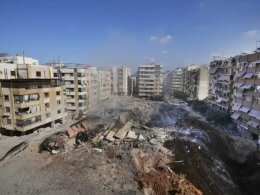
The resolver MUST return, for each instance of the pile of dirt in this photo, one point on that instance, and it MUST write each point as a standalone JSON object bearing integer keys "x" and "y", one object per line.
{"x": 155, "y": 177}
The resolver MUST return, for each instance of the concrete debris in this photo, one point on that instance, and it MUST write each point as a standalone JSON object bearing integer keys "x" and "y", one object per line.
{"x": 121, "y": 133}
{"x": 155, "y": 177}
{"x": 81, "y": 137}
{"x": 110, "y": 136}
{"x": 75, "y": 129}
{"x": 55, "y": 143}
{"x": 15, "y": 150}
{"x": 141, "y": 138}
{"x": 131, "y": 135}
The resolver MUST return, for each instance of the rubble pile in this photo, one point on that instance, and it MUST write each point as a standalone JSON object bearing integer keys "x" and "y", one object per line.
{"x": 155, "y": 177}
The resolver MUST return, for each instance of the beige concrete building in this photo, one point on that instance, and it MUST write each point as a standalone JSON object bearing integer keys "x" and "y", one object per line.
{"x": 104, "y": 81}
{"x": 18, "y": 59}
{"x": 221, "y": 75}
{"x": 177, "y": 80}
{"x": 197, "y": 82}
{"x": 30, "y": 96}
{"x": 150, "y": 80}
{"x": 76, "y": 89}
{"x": 121, "y": 80}
{"x": 93, "y": 86}
{"x": 246, "y": 97}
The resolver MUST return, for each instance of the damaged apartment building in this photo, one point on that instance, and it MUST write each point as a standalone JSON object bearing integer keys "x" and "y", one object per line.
{"x": 150, "y": 81}
{"x": 176, "y": 80}
{"x": 221, "y": 80}
{"x": 31, "y": 96}
{"x": 196, "y": 82}
{"x": 121, "y": 81}
{"x": 246, "y": 96}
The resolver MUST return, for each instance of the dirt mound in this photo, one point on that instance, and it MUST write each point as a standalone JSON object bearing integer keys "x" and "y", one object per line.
{"x": 155, "y": 177}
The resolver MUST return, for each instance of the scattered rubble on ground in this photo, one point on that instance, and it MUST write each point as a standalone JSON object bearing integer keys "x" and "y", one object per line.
{"x": 126, "y": 146}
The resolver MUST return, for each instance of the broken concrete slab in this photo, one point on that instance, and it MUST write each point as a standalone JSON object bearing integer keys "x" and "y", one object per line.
{"x": 96, "y": 139}
{"x": 123, "y": 131}
{"x": 110, "y": 136}
{"x": 141, "y": 138}
{"x": 131, "y": 135}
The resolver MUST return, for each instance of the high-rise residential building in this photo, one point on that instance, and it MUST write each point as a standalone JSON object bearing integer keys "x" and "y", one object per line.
{"x": 150, "y": 80}
{"x": 221, "y": 75}
{"x": 246, "y": 97}
{"x": 30, "y": 96}
{"x": 197, "y": 82}
{"x": 177, "y": 80}
{"x": 76, "y": 89}
{"x": 120, "y": 80}
{"x": 93, "y": 86}
{"x": 104, "y": 78}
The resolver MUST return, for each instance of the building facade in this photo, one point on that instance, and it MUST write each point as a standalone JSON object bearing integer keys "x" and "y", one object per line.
{"x": 120, "y": 80}
{"x": 246, "y": 97}
{"x": 197, "y": 82}
{"x": 18, "y": 59}
{"x": 104, "y": 78}
{"x": 221, "y": 80}
{"x": 150, "y": 81}
{"x": 76, "y": 89}
{"x": 177, "y": 80}
{"x": 31, "y": 96}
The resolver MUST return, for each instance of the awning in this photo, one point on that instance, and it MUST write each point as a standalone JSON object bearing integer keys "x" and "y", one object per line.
{"x": 224, "y": 78}
{"x": 236, "y": 106}
{"x": 212, "y": 70}
{"x": 244, "y": 109}
{"x": 255, "y": 113}
{"x": 246, "y": 86}
{"x": 248, "y": 75}
{"x": 240, "y": 74}
{"x": 238, "y": 85}
{"x": 235, "y": 115}
{"x": 253, "y": 123}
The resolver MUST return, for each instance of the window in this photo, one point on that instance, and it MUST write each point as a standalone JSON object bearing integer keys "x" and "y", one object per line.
{"x": 55, "y": 75}
{"x": 59, "y": 111}
{"x": 46, "y": 94}
{"x": 38, "y": 73}
{"x": 47, "y": 105}
{"x": 58, "y": 102}
{"x": 8, "y": 121}
{"x": 57, "y": 92}
{"x": 7, "y": 109}
{"x": 6, "y": 98}
{"x": 12, "y": 73}
{"x": 48, "y": 115}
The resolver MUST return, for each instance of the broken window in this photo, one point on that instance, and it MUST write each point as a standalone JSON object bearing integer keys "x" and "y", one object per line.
{"x": 6, "y": 98}
{"x": 12, "y": 73}
{"x": 46, "y": 94}
{"x": 59, "y": 111}
{"x": 58, "y": 102}
{"x": 57, "y": 93}
{"x": 38, "y": 73}
{"x": 47, "y": 105}
{"x": 48, "y": 115}
{"x": 7, "y": 109}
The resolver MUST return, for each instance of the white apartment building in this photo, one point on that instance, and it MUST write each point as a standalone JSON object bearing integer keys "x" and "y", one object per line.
{"x": 150, "y": 80}
{"x": 18, "y": 59}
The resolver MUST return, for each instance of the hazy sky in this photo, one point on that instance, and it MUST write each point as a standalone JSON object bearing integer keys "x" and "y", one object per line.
{"x": 131, "y": 32}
